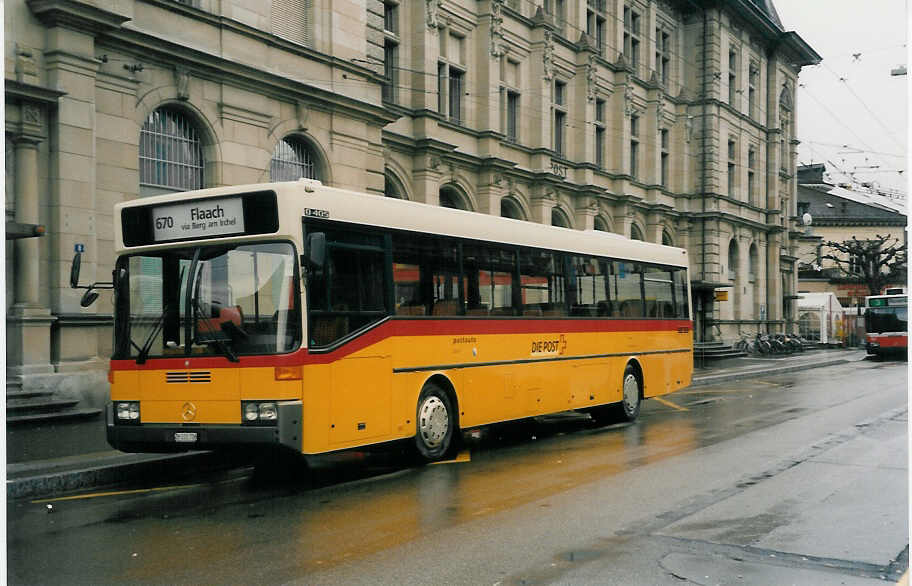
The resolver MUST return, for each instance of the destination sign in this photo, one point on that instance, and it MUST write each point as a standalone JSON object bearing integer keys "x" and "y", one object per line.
{"x": 198, "y": 219}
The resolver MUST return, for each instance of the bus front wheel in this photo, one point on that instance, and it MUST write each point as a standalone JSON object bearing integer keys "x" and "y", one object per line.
{"x": 435, "y": 423}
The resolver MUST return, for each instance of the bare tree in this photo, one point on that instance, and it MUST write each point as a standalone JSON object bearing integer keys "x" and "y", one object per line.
{"x": 875, "y": 262}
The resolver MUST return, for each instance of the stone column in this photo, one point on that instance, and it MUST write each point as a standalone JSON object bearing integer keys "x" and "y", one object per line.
{"x": 542, "y": 202}
{"x": 654, "y": 228}
{"x": 585, "y": 212}
{"x": 27, "y": 249}
{"x": 773, "y": 278}
{"x": 28, "y": 335}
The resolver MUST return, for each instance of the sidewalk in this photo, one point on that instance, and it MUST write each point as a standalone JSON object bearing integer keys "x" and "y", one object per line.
{"x": 102, "y": 468}
{"x": 748, "y": 366}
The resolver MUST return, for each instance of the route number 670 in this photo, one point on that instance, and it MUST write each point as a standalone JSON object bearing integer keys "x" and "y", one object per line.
{"x": 164, "y": 222}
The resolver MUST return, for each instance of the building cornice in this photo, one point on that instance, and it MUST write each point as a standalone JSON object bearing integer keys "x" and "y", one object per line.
{"x": 735, "y": 220}
{"x": 218, "y": 69}
{"x": 77, "y": 15}
{"x": 17, "y": 91}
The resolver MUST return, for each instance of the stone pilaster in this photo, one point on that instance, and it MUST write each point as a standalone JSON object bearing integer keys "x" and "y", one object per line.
{"x": 28, "y": 334}
{"x": 28, "y": 318}
{"x": 773, "y": 278}
{"x": 585, "y": 211}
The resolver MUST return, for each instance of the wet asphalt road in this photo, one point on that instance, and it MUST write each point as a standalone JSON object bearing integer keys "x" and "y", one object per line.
{"x": 798, "y": 478}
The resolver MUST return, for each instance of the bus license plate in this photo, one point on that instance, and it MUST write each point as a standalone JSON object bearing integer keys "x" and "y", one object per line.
{"x": 187, "y": 437}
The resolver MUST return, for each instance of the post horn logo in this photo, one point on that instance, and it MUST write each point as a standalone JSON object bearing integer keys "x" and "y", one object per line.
{"x": 188, "y": 411}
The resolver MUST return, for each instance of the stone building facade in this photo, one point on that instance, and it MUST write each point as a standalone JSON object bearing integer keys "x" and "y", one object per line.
{"x": 669, "y": 121}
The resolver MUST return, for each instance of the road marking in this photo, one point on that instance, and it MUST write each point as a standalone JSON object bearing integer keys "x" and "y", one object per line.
{"x": 464, "y": 456}
{"x": 700, "y": 391}
{"x": 112, "y": 493}
{"x": 709, "y": 392}
{"x": 670, "y": 404}
{"x": 763, "y": 382}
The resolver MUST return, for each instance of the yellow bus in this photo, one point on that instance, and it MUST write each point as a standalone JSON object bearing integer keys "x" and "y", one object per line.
{"x": 318, "y": 319}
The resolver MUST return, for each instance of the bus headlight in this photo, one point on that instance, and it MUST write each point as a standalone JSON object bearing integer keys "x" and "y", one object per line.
{"x": 259, "y": 412}
{"x": 268, "y": 412}
{"x": 126, "y": 411}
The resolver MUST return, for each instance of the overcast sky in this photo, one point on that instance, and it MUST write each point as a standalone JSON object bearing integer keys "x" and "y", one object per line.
{"x": 851, "y": 98}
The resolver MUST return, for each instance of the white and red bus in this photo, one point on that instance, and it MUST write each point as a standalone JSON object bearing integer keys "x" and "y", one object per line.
{"x": 318, "y": 319}
{"x": 886, "y": 324}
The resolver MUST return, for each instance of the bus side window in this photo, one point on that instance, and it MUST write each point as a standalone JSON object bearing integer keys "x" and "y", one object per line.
{"x": 659, "y": 292}
{"x": 590, "y": 295}
{"x": 626, "y": 286}
{"x": 489, "y": 274}
{"x": 682, "y": 310}
{"x": 350, "y": 292}
{"x": 425, "y": 278}
{"x": 542, "y": 284}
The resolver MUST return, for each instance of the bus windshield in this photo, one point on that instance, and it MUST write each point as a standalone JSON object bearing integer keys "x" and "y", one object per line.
{"x": 879, "y": 320}
{"x": 207, "y": 301}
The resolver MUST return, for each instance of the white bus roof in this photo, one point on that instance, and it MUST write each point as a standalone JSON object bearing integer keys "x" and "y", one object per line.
{"x": 358, "y": 208}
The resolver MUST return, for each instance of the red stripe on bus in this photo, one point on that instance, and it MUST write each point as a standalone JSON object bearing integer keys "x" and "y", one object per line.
{"x": 414, "y": 327}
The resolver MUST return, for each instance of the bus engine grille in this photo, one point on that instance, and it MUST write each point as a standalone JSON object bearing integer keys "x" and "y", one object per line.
{"x": 188, "y": 377}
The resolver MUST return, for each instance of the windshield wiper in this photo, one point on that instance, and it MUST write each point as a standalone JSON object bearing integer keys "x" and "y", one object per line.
{"x": 147, "y": 345}
{"x": 159, "y": 324}
{"x": 225, "y": 348}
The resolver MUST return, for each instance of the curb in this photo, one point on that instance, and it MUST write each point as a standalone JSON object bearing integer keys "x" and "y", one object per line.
{"x": 92, "y": 475}
{"x": 715, "y": 378}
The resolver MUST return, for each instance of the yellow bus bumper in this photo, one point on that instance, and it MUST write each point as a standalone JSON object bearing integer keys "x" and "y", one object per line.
{"x": 175, "y": 437}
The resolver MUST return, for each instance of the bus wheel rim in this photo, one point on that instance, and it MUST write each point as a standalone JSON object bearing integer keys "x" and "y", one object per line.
{"x": 433, "y": 421}
{"x": 631, "y": 393}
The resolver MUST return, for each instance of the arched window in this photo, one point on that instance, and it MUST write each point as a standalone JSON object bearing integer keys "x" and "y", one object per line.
{"x": 666, "y": 238}
{"x": 600, "y": 224}
{"x": 392, "y": 187}
{"x": 754, "y": 264}
{"x": 292, "y": 159}
{"x": 510, "y": 209}
{"x": 170, "y": 153}
{"x": 559, "y": 218}
{"x": 733, "y": 260}
{"x": 451, "y": 198}
{"x": 636, "y": 233}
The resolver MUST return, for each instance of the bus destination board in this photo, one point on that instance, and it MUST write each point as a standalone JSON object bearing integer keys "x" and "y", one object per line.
{"x": 198, "y": 219}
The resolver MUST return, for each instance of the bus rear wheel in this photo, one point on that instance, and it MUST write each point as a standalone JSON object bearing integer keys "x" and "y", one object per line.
{"x": 435, "y": 422}
{"x": 629, "y": 407}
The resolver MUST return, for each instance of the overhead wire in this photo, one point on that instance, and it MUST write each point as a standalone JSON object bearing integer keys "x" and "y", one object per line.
{"x": 876, "y": 118}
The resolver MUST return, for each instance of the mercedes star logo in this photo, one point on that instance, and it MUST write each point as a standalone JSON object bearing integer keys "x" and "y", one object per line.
{"x": 188, "y": 411}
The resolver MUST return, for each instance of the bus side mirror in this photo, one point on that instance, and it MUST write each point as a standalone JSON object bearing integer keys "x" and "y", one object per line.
{"x": 74, "y": 271}
{"x": 315, "y": 253}
{"x": 88, "y": 298}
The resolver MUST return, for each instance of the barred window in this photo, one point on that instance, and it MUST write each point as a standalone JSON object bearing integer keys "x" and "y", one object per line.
{"x": 170, "y": 152}
{"x": 292, "y": 160}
